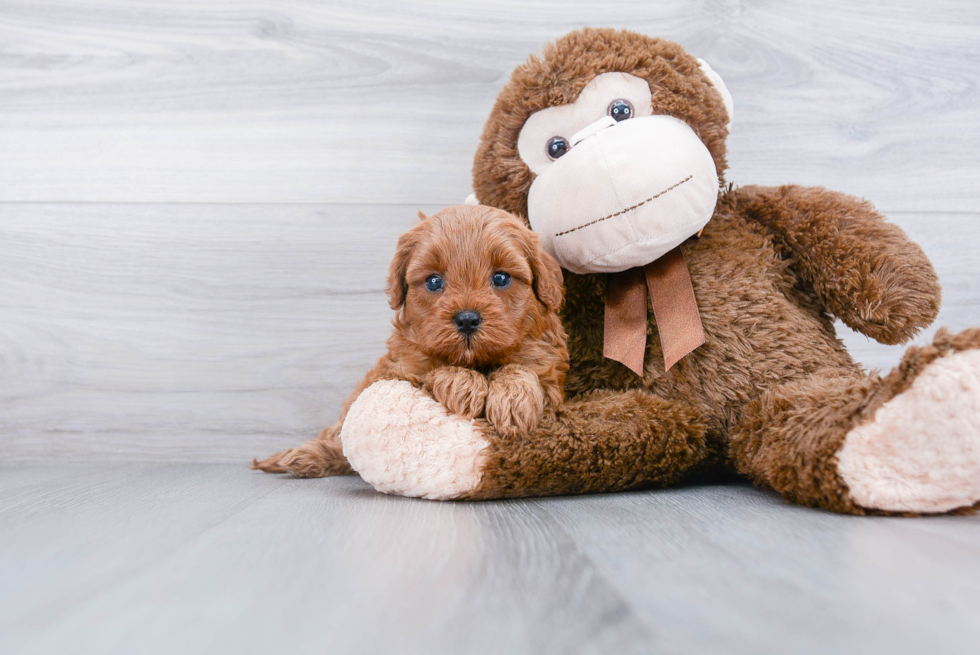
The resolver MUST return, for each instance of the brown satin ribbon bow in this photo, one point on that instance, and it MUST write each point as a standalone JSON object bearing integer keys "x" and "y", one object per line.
{"x": 675, "y": 308}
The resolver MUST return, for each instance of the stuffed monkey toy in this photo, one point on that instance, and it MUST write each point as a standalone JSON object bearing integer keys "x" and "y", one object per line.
{"x": 699, "y": 314}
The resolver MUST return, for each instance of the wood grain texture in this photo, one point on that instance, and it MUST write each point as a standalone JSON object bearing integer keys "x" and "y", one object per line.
{"x": 739, "y": 570}
{"x": 130, "y": 330}
{"x": 222, "y": 332}
{"x": 243, "y": 101}
{"x": 203, "y": 559}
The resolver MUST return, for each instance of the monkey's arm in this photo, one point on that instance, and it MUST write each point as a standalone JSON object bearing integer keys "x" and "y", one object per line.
{"x": 610, "y": 441}
{"x": 403, "y": 442}
{"x": 864, "y": 270}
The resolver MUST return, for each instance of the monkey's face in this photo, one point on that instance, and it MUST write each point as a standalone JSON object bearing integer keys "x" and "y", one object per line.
{"x": 611, "y": 143}
{"x": 616, "y": 185}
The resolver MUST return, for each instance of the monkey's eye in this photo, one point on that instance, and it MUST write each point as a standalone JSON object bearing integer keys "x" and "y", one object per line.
{"x": 557, "y": 146}
{"x": 500, "y": 280}
{"x": 620, "y": 110}
{"x": 433, "y": 283}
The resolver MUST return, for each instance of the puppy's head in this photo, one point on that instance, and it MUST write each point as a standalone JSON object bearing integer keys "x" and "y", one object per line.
{"x": 471, "y": 284}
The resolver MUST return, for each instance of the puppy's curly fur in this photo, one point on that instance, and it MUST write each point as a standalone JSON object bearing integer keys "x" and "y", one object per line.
{"x": 509, "y": 369}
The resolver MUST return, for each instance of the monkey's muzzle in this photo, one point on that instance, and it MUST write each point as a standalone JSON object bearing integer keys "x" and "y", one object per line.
{"x": 624, "y": 195}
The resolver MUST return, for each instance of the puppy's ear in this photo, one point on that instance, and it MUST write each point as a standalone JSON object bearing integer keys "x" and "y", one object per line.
{"x": 549, "y": 285}
{"x": 397, "y": 284}
{"x": 422, "y": 216}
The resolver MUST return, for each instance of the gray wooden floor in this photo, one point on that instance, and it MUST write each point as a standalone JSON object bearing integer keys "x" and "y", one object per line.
{"x": 198, "y": 202}
{"x": 196, "y": 558}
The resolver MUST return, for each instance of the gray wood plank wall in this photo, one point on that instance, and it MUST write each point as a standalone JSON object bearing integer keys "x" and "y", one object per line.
{"x": 198, "y": 201}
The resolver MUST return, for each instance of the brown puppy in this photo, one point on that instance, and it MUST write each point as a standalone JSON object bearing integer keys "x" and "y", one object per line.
{"x": 476, "y": 326}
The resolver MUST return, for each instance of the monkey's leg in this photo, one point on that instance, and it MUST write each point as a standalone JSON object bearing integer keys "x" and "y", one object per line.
{"x": 403, "y": 442}
{"x": 905, "y": 443}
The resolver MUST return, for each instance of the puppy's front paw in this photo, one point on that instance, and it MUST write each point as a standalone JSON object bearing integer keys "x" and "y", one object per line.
{"x": 515, "y": 401}
{"x": 462, "y": 391}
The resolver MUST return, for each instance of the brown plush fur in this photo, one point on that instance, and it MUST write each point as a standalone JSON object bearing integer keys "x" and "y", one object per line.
{"x": 511, "y": 368}
{"x": 604, "y": 441}
{"x": 768, "y": 336}
{"x": 772, "y": 393}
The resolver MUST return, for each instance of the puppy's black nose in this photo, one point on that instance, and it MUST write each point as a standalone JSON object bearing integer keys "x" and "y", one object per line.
{"x": 467, "y": 321}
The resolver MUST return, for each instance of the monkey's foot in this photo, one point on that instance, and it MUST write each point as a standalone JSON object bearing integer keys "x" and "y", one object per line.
{"x": 920, "y": 452}
{"x": 403, "y": 442}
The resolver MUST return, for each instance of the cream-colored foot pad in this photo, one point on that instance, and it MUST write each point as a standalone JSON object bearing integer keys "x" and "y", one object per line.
{"x": 921, "y": 453}
{"x": 401, "y": 441}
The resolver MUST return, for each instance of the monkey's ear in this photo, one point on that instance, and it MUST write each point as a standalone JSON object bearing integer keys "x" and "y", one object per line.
{"x": 397, "y": 284}
{"x": 422, "y": 216}
{"x": 548, "y": 285}
{"x": 719, "y": 85}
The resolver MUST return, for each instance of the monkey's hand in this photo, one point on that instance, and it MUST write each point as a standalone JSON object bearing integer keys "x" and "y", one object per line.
{"x": 462, "y": 391}
{"x": 515, "y": 401}
{"x": 864, "y": 270}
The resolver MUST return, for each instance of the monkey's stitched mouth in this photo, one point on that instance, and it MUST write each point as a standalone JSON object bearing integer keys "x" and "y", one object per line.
{"x": 628, "y": 209}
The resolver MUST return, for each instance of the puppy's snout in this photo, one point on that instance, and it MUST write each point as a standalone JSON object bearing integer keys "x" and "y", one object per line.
{"x": 467, "y": 321}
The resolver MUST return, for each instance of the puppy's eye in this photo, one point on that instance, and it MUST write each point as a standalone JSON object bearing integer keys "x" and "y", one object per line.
{"x": 500, "y": 280}
{"x": 620, "y": 110}
{"x": 557, "y": 146}
{"x": 433, "y": 283}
